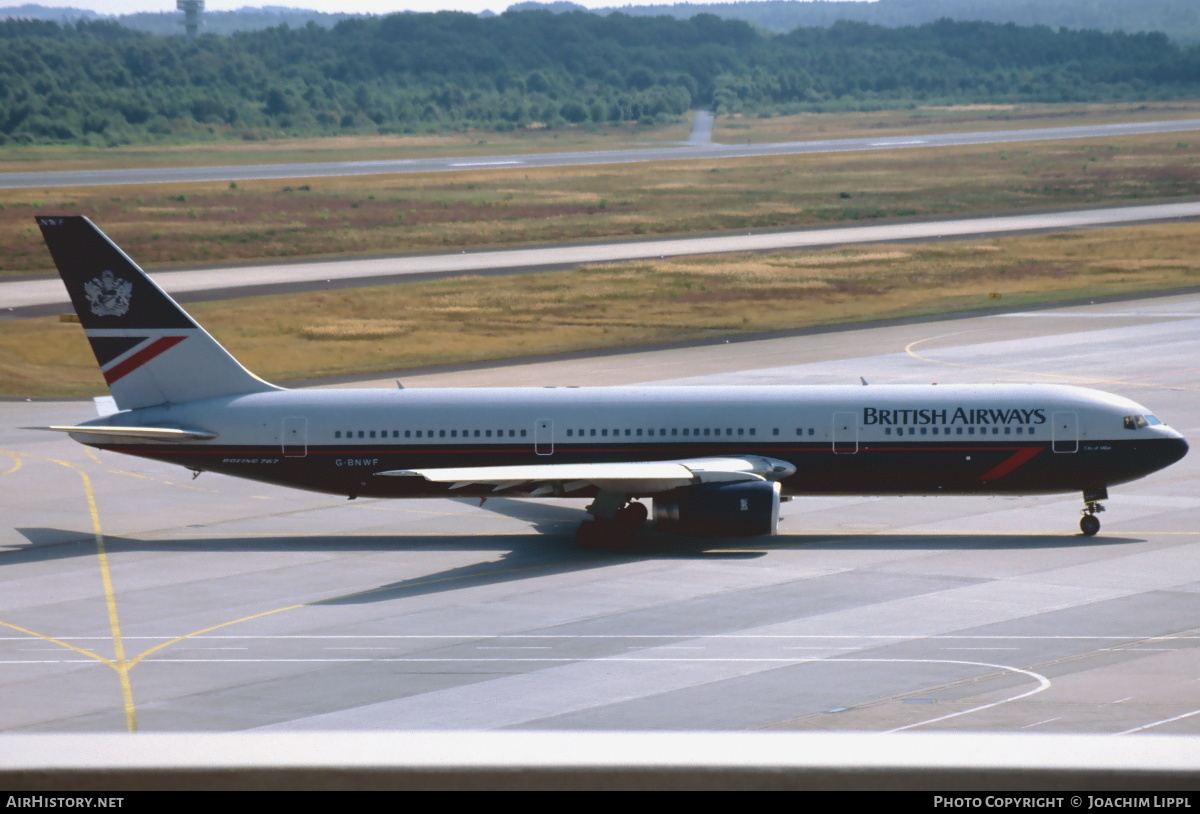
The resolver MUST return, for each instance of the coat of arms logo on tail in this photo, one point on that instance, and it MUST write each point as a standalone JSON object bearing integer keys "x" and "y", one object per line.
{"x": 109, "y": 295}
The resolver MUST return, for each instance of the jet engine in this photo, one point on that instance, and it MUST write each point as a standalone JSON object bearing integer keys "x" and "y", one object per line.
{"x": 742, "y": 509}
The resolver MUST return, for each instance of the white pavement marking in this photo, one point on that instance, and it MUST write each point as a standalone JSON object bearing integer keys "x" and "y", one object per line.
{"x": 1160, "y": 723}
{"x": 1043, "y": 684}
{"x": 524, "y": 697}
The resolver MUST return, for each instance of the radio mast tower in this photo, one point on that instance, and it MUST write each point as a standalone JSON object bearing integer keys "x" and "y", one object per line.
{"x": 192, "y": 9}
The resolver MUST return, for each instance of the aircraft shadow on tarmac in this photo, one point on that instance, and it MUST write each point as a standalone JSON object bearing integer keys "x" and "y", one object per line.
{"x": 525, "y": 555}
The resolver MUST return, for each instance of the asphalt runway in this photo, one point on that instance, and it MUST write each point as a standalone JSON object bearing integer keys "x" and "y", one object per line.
{"x": 134, "y": 596}
{"x": 696, "y": 147}
{"x": 41, "y": 297}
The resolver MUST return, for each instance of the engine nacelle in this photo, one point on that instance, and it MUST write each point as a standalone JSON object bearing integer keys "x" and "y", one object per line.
{"x": 743, "y": 509}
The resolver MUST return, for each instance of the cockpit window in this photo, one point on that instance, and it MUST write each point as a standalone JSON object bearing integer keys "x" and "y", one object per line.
{"x": 1137, "y": 422}
{"x": 1151, "y": 420}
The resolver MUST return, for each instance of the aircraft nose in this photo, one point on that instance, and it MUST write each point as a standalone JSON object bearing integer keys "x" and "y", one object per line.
{"x": 1177, "y": 449}
{"x": 1168, "y": 451}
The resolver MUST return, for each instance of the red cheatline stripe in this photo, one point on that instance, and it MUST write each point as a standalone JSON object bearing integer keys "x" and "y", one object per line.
{"x": 1010, "y": 463}
{"x": 142, "y": 357}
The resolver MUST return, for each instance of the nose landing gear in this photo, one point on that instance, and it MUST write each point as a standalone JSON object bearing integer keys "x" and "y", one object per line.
{"x": 1089, "y": 524}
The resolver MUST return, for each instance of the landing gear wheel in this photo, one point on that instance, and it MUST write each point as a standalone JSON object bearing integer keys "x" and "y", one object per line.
{"x": 633, "y": 516}
{"x": 1089, "y": 524}
{"x": 615, "y": 525}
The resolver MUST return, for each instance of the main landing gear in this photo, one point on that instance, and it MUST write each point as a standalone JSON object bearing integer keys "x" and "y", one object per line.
{"x": 614, "y": 525}
{"x": 1089, "y": 524}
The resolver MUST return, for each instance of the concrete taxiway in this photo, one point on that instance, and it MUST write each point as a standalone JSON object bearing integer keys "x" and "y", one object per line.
{"x": 132, "y": 596}
{"x": 40, "y": 297}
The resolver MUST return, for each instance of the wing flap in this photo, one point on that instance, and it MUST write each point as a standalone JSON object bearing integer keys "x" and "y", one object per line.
{"x": 632, "y": 477}
{"x": 547, "y": 472}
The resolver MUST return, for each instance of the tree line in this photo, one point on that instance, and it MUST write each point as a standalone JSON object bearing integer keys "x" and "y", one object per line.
{"x": 1180, "y": 17}
{"x": 101, "y": 83}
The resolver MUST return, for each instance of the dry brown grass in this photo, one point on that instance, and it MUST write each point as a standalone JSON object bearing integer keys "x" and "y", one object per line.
{"x": 204, "y": 224}
{"x": 412, "y": 325}
{"x": 346, "y": 329}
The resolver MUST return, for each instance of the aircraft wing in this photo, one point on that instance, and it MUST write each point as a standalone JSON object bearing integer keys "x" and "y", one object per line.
{"x": 632, "y": 477}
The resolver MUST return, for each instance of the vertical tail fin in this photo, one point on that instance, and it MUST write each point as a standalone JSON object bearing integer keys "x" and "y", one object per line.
{"x": 150, "y": 351}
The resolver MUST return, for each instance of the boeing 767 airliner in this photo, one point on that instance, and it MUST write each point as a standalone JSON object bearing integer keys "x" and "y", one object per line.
{"x": 715, "y": 461}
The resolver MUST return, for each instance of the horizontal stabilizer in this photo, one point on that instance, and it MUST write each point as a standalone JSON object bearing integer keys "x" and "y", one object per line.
{"x": 168, "y": 434}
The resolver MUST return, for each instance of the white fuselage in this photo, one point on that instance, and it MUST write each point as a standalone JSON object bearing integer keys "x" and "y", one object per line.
{"x": 876, "y": 438}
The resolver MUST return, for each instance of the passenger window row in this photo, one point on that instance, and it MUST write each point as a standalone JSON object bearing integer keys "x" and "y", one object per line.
{"x": 1022, "y": 430}
{"x": 602, "y": 432}
{"x": 432, "y": 433}
{"x": 662, "y": 432}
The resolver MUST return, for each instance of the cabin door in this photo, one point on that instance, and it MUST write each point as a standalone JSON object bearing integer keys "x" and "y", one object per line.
{"x": 295, "y": 436}
{"x": 845, "y": 433}
{"x": 1064, "y": 431}
{"x": 543, "y": 436}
